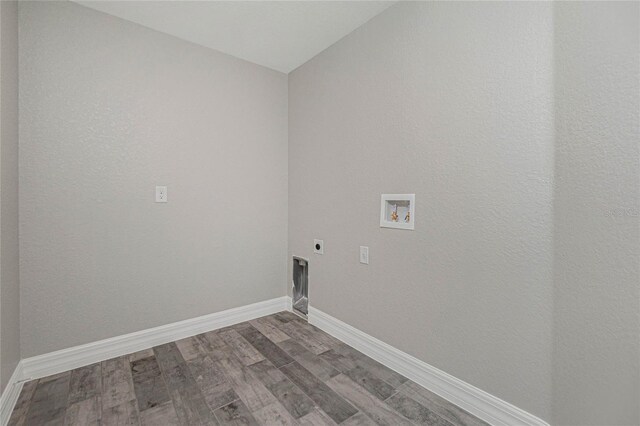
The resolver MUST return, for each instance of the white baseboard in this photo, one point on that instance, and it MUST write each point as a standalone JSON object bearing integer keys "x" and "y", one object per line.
{"x": 477, "y": 402}
{"x": 481, "y": 404}
{"x": 10, "y": 395}
{"x": 79, "y": 356}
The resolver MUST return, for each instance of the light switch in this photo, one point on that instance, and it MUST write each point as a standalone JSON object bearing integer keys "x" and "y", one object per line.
{"x": 364, "y": 255}
{"x": 161, "y": 194}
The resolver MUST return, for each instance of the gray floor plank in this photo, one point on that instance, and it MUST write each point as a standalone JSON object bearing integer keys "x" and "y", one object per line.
{"x": 317, "y": 418}
{"x": 189, "y": 348}
{"x": 117, "y": 383}
{"x": 316, "y": 365}
{"x": 163, "y": 414}
{"x": 145, "y": 353}
{"x": 148, "y": 383}
{"x": 188, "y": 401}
{"x": 440, "y": 406}
{"x": 329, "y": 401}
{"x": 274, "y": 414}
{"x": 266, "y": 347}
{"x": 85, "y": 383}
{"x": 245, "y": 351}
{"x": 145, "y": 369}
{"x": 415, "y": 411}
{"x": 375, "y": 409}
{"x": 271, "y": 331}
{"x": 211, "y": 380}
{"x": 374, "y": 367}
{"x": 252, "y": 392}
{"x": 49, "y": 402}
{"x": 324, "y": 338}
{"x": 359, "y": 419}
{"x": 290, "y": 396}
{"x": 377, "y": 387}
{"x": 125, "y": 414}
{"x": 305, "y": 337}
{"x": 85, "y": 412}
{"x": 235, "y": 413}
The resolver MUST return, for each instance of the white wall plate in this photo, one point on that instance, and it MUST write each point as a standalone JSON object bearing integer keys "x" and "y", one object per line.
{"x": 398, "y": 211}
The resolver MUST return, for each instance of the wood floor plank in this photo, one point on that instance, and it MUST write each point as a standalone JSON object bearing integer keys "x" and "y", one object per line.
{"x": 274, "y": 414}
{"x": 144, "y": 369}
{"x": 324, "y": 338}
{"x": 151, "y": 393}
{"x": 338, "y": 361}
{"x": 145, "y": 353}
{"x": 316, "y": 365}
{"x": 376, "y": 386}
{"x": 190, "y": 408}
{"x": 266, "y": 327}
{"x": 163, "y": 414}
{"x": 290, "y": 396}
{"x": 117, "y": 382}
{"x": 267, "y": 373}
{"x": 317, "y": 418}
{"x": 329, "y": 401}
{"x": 125, "y": 414}
{"x": 49, "y": 402}
{"x": 252, "y": 392}
{"x": 439, "y": 405}
{"x": 375, "y": 409}
{"x": 86, "y": 412}
{"x": 266, "y": 347}
{"x": 416, "y": 412}
{"x": 285, "y": 317}
{"x": 212, "y": 382}
{"x": 189, "y": 348}
{"x": 85, "y": 383}
{"x": 359, "y": 419}
{"x": 303, "y": 336}
{"x": 219, "y": 396}
{"x": 215, "y": 346}
{"x": 236, "y": 414}
{"x": 148, "y": 383}
{"x": 371, "y": 365}
{"x": 206, "y": 372}
{"x": 244, "y": 350}
{"x": 188, "y": 401}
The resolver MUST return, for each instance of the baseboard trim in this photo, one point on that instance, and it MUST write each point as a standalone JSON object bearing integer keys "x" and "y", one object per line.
{"x": 481, "y": 404}
{"x": 79, "y": 356}
{"x": 10, "y": 395}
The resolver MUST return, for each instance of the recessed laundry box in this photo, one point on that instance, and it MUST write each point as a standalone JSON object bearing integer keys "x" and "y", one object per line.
{"x": 300, "y": 285}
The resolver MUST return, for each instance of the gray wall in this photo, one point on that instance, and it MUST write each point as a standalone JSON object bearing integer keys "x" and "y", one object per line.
{"x": 452, "y": 102}
{"x": 108, "y": 110}
{"x": 596, "y": 356}
{"x": 9, "y": 276}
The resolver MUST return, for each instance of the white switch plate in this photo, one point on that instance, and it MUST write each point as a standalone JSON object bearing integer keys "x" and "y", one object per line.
{"x": 318, "y": 246}
{"x": 364, "y": 255}
{"x": 161, "y": 194}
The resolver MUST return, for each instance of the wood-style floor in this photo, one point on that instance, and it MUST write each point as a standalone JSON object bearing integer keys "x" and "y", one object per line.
{"x": 270, "y": 371}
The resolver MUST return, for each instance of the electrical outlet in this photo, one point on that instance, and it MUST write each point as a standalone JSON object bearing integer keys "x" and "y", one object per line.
{"x": 318, "y": 246}
{"x": 364, "y": 255}
{"x": 161, "y": 194}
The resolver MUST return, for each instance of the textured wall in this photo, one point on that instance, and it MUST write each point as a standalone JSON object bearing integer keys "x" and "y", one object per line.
{"x": 453, "y": 102}
{"x": 596, "y": 356}
{"x": 9, "y": 268}
{"x": 108, "y": 110}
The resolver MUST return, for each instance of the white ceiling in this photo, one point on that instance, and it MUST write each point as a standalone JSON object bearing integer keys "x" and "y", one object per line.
{"x": 281, "y": 35}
